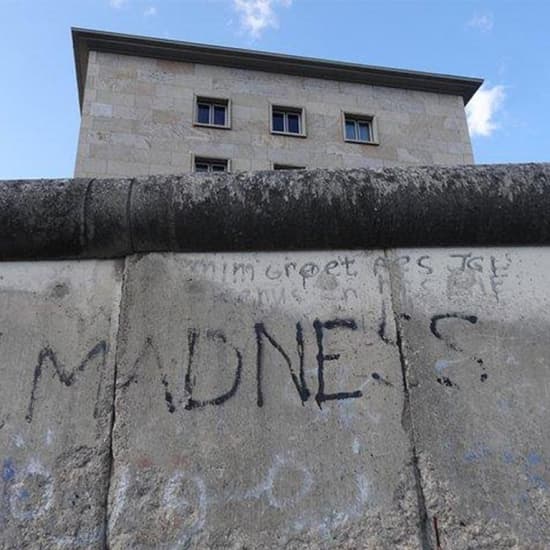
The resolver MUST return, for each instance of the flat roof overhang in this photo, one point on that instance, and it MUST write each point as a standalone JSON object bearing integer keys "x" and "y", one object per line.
{"x": 86, "y": 40}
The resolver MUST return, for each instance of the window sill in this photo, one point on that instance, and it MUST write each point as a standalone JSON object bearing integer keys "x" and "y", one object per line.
{"x": 288, "y": 134}
{"x": 216, "y": 126}
{"x": 359, "y": 142}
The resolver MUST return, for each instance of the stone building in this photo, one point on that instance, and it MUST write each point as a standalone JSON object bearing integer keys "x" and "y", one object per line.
{"x": 152, "y": 106}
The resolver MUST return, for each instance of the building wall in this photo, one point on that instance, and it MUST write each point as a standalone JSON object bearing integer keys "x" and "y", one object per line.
{"x": 137, "y": 119}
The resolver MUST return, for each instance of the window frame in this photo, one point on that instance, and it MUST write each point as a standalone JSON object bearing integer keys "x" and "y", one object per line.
{"x": 286, "y": 110}
{"x": 210, "y": 161}
{"x": 357, "y": 118}
{"x": 212, "y": 102}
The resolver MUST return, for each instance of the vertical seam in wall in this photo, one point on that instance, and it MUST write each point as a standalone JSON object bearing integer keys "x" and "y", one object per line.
{"x": 172, "y": 222}
{"x": 84, "y": 221}
{"x": 421, "y": 500}
{"x": 129, "y": 218}
{"x": 113, "y": 409}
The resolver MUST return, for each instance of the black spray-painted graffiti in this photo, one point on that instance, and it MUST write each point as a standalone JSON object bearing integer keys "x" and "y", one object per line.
{"x": 264, "y": 337}
{"x": 437, "y": 331}
{"x": 322, "y": 357}
{"x": 434, "y": 326}
{"x": 47, "y": 356}
{"x": 189, "y": 382}
{"x": 293, "y": 360}
{"x": 299, "y": 381}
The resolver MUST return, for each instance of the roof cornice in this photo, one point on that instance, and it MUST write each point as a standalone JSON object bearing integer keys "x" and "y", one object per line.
{"x": 85, "y": 40}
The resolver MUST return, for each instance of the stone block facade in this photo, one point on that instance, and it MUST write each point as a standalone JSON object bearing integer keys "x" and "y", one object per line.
{"x": 138, "y": 119}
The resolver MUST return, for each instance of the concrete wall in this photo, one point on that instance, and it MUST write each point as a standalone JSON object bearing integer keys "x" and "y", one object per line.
{"x": 137, "y": 119}
{"x": 59, "y": 324}
{"x": 374, "y": 398}
{"x": 342, "y": 399}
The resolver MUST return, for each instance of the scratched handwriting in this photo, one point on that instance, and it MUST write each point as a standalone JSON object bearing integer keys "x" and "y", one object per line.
{"x": 248, "y": 272}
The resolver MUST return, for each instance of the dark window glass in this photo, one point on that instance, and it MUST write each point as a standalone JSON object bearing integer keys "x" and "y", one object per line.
{"x": 350, "y": 129}
{"x": 287, "y": 167}
{"x": 219, "y": 115}
{"x": 278, "y": 122}
{"x": 293, "y": 123}
{"x": 218, "y": 168}
{"x": 203, "y": 115}
{"x": 364, "y": 131}
{"x": 200, "y": 167}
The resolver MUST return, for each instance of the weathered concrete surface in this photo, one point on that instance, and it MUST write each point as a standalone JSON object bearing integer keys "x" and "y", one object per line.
{"x": 58, "y": 324}
{"x": 475, "y": 326}
{"x": 309, "y": 210}
{"x": 223, "y": 438}
{"x": 219, "y": 439}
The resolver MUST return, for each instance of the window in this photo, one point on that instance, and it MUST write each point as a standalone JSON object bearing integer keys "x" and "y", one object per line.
{"x": 212, "y": 112}
{"x": 287, "y": 120}
{"x": 359, "y": 128}
{"x": 287, "y": 167}
{"x": 203, "y": 164}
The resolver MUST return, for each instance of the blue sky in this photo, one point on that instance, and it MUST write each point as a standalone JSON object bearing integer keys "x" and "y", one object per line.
{"x": 505, "y": 42}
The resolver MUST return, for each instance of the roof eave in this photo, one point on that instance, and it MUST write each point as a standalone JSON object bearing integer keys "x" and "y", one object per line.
{"x": 85, "y": 40}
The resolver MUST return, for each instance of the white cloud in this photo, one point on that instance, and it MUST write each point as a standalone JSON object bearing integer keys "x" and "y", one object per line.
{"x": 117, "y": 4}
{"x": 483, "y": 22}
{"x": 257, "y": 15}
{"x": 150, "y": 11}
{"x": 482, "y": 108}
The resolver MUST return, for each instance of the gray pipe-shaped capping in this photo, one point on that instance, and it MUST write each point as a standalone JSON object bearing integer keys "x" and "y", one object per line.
{"x": 283, "y": 210}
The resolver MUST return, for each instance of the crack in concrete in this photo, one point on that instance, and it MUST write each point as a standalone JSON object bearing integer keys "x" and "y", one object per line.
{"x": 111, "y": 458}
{"x": 425, "y": 537}
{"x": 129, "y": 221}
